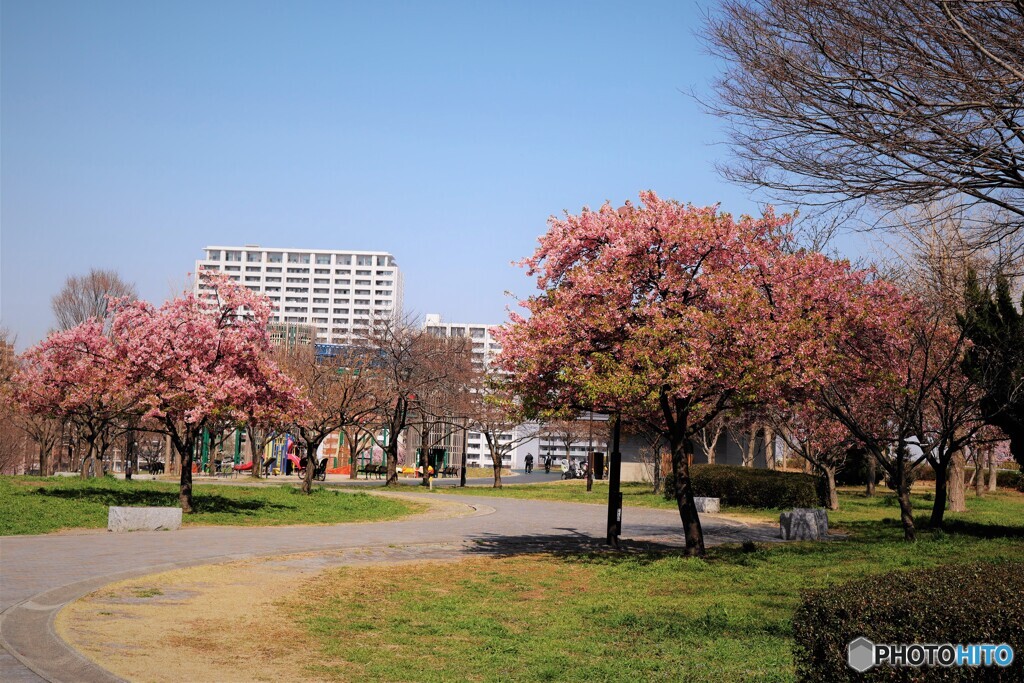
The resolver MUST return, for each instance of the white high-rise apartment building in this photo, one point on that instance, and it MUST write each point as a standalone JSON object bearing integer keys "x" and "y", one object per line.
{"x": 339, "y": 292}
{"x": 484, "y": 348}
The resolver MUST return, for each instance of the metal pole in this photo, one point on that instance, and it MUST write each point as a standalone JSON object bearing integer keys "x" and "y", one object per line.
{"x": 465, "y": 437}
{"x": 590, "y": 454}
{"x": 614, "y": 495}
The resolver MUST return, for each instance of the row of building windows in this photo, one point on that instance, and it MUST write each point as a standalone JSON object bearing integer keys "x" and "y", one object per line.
{"x": 297, "y": 271}
{"x": 444, "y": 331}
{"x": 234, "y": 256}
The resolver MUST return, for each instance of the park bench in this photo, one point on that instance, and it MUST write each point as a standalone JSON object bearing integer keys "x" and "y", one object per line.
{"x": 367, "y": 470}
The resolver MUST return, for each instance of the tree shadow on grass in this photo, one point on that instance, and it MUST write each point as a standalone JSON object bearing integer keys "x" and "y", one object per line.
{"x": 891, "y": 529}
{"x": 575, "y": 546}
{"x": 203, "y": 502}
{"x": 981, "y": 530}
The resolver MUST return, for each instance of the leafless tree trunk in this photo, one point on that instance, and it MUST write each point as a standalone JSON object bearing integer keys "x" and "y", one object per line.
{"x": 709, "y": 437}
{"x": 957, "y": 490}
{"x": 979, "y": 470}
{"x": 651, "y": 456}
{"x": 751, "y": 450}
{"x": 993, "y": 471}
{"x": 872, "y": 476}
{"x": 769, "y": 450}
{"x": 831, "y": 494}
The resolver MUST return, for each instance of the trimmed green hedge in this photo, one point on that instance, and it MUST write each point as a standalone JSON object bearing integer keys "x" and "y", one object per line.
{"x": 972, "y": 603}
{"x": 751, "y": 487}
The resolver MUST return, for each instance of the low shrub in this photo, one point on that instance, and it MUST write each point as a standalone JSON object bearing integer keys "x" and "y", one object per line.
{"x": 751, "y": 487}
{"x": 1007, "y": 479}
{"x": 970, "y": 603}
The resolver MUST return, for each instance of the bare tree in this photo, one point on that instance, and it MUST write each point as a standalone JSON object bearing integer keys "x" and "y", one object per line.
{"x": 886, "y": 102}
{"x": 44, "y": 431}
{"x": 338, "y": 392}
{"x": 651, "y": 454}
{"x": 409, "y": 364}
{"x": 86, "y": 297}
{"x": 567, "y": 432}
{"x": 711, "y": 434}
{"x": 500, "y": 418}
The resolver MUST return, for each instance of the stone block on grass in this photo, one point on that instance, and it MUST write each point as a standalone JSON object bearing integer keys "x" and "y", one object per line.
{"x": 143, "y": 518}
{"x": 707, "y": 504}
{"x": 804, "y": 524}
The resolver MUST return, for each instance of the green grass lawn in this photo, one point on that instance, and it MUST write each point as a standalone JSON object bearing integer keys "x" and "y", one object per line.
{"x": 621, "y": 616}
{"x": 34, "y": 505}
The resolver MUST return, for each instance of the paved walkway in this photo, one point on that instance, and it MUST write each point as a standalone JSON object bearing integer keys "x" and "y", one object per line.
{"x": 40, "y": 574}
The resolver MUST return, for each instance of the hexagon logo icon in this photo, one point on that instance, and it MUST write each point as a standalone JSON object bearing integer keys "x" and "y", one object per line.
{"x": 861, "y": 654}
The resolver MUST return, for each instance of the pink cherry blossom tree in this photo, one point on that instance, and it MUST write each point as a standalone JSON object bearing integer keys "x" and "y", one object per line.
{"x": 817, "y": 437}
{"x": 76, "y": 375}
{"x": 895, "y": 381}
{"x": 198, "y": 360}
{"x": 669, "y": 314}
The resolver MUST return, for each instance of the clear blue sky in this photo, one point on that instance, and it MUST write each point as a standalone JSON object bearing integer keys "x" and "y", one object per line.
{"x": 136, "y": 133}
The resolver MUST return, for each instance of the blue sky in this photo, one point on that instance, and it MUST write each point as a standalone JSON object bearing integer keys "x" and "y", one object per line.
{"x": 134, "y": 134}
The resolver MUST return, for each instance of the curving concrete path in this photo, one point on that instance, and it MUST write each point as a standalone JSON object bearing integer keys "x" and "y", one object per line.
{"x": 41, "y": 574}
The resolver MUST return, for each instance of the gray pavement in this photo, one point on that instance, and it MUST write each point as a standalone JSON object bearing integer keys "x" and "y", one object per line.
{"x": 40, "y": 574}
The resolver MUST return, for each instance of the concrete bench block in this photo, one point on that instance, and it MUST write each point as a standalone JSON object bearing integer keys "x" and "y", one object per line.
{"x": 143, "y": 519}
{"x": 804, "y": 524}
{"x": 707, "y": 504}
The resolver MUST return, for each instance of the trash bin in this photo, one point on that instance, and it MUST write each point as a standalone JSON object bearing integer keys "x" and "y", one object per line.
{"x": 598, "y": 465}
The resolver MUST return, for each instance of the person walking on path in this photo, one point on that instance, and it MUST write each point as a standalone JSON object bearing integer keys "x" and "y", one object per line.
{"x": 529, "y": 463}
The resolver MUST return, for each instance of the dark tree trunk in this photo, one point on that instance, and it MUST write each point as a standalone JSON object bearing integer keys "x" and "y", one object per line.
{"x": 256, "y": 445}
{"x": 872, "y": 476}
{"x": 685, "y": 502}
{"x": 828, "y": 475}
{"x": 353, "y": 453}
{"x": 906, "y": 512}
{"x": 392, "y": 453}
{"x": 44, "y": 460}
{"x": 307, "y": 478}
{"x": 496, "y": 464}
{"x": 899, "y": 482}
{"x": 941, "y": 493}
{"x": 186, "y": 450}
{"x": 424, "y": 464}
{"x": 89, "y": 459}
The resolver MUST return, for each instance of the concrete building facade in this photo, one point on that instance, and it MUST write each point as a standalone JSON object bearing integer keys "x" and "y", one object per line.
{"x": 341, "y": 293}
{"x": 529, "y": 439}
